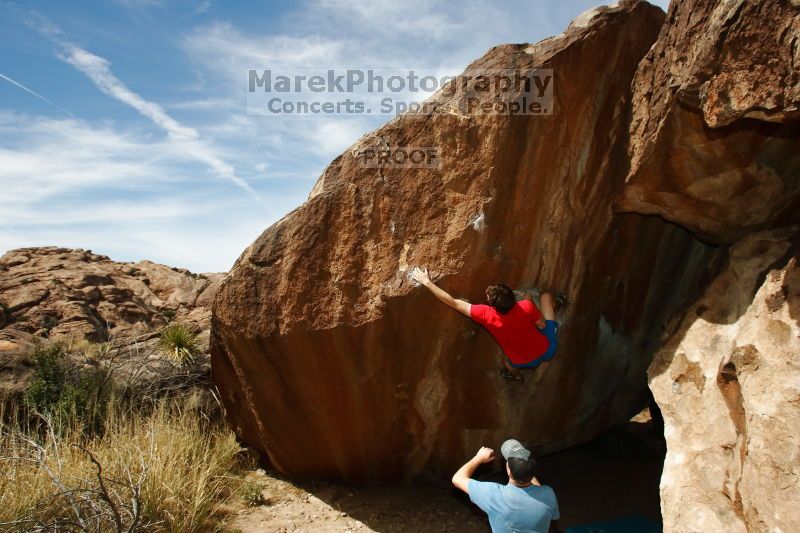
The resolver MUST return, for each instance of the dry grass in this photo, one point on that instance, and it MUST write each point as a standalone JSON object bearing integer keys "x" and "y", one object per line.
{"x": 167, "y": 468}
{"x": 91, "y": 351}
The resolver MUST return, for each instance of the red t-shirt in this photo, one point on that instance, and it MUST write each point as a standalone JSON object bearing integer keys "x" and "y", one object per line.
{"x": 515, "y": 331}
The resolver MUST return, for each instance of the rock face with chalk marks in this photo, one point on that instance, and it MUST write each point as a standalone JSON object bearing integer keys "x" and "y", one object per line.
{"x": 332, "y": 364}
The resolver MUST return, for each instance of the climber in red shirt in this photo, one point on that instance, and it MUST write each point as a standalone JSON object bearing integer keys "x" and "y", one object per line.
{"x": 527, "y": 336}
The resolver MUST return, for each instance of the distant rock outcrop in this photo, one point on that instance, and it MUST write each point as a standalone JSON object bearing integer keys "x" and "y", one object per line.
{"x": 333, "y": 364}
{"x": 54, "y": 293}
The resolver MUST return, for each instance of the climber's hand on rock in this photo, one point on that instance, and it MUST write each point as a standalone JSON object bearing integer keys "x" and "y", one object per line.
{"x": 420, "y": 275}
{"x": 485, "y": 455}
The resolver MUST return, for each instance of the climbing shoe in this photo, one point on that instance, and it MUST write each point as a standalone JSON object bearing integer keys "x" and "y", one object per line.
{"x": 510, "y": 376}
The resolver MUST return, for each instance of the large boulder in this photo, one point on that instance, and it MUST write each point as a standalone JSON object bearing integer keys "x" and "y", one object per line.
{"x": 728, "y": 384}
{"x": 714, "y": 147}
{"x": 716, "y": 118}
{"x": 332, "y": 364}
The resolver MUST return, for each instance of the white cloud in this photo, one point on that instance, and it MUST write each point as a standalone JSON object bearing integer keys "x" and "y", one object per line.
{"x": 322, "y": 34}
{"x": 104, "y": 212}
{"x": 205, "y": 249}
{"x": 333, "y": 136}
{"x": 48, "y": 157}
{"x": 230, "y": 53}
{"x": 202, "y": 6}
{"x": 98, "y": 70}
{"x": 410, "y": 19}
{"x": 139, "y": 4}
{"x": 124, "y": 194}
{"x": 208, "y": 104}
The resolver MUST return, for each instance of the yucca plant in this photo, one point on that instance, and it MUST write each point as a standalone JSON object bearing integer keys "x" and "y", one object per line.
{"x": 178, "y": 342}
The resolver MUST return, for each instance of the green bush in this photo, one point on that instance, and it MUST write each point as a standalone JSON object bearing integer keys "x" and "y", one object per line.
{"x": 84, "y": 401}
{"x": 179, "y": 343}
{"x": 49, "y": 377}
{"x": 251, "y": 494}
{"x": 69, "y": 397}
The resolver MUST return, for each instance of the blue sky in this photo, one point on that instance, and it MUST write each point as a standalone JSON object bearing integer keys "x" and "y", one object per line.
{"x": 137, "y": 144}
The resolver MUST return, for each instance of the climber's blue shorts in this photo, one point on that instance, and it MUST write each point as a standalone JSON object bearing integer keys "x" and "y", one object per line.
{"x": 550, "y": 331}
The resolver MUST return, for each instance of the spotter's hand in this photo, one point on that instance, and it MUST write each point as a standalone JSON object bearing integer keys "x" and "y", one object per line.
{"x": 485, "y": 455}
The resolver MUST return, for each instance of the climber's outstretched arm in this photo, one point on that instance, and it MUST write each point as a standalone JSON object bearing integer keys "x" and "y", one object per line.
{"x": 420, "y": 275}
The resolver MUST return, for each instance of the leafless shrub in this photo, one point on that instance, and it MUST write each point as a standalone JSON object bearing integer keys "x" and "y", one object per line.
{"x": 163, "y": 459}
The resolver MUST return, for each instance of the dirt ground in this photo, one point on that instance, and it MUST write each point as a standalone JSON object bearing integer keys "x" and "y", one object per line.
{"x": 335, "y": 508}
{"x": 615, "y": 475}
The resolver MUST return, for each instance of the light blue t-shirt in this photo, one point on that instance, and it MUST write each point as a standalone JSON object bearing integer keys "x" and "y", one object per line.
{"x": 515, "y": 510}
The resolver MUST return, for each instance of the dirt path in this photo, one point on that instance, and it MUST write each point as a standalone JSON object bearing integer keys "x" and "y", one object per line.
{"x": 335, "y": 508}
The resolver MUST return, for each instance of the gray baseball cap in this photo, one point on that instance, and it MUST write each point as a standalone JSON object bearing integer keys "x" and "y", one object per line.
{"x": 513, "y": 448}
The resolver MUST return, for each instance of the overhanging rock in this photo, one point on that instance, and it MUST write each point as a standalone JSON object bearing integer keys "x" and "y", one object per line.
{"x": 333, "y": 365}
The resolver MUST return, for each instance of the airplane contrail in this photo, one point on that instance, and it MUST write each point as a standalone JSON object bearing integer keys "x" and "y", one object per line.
{"x": 34, "y": 93}
{"x": 98, "y": 70}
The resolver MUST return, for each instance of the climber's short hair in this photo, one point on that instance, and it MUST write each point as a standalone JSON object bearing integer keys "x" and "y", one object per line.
{"x": 500, "y": 297}
{"x": 523, "y": 470}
